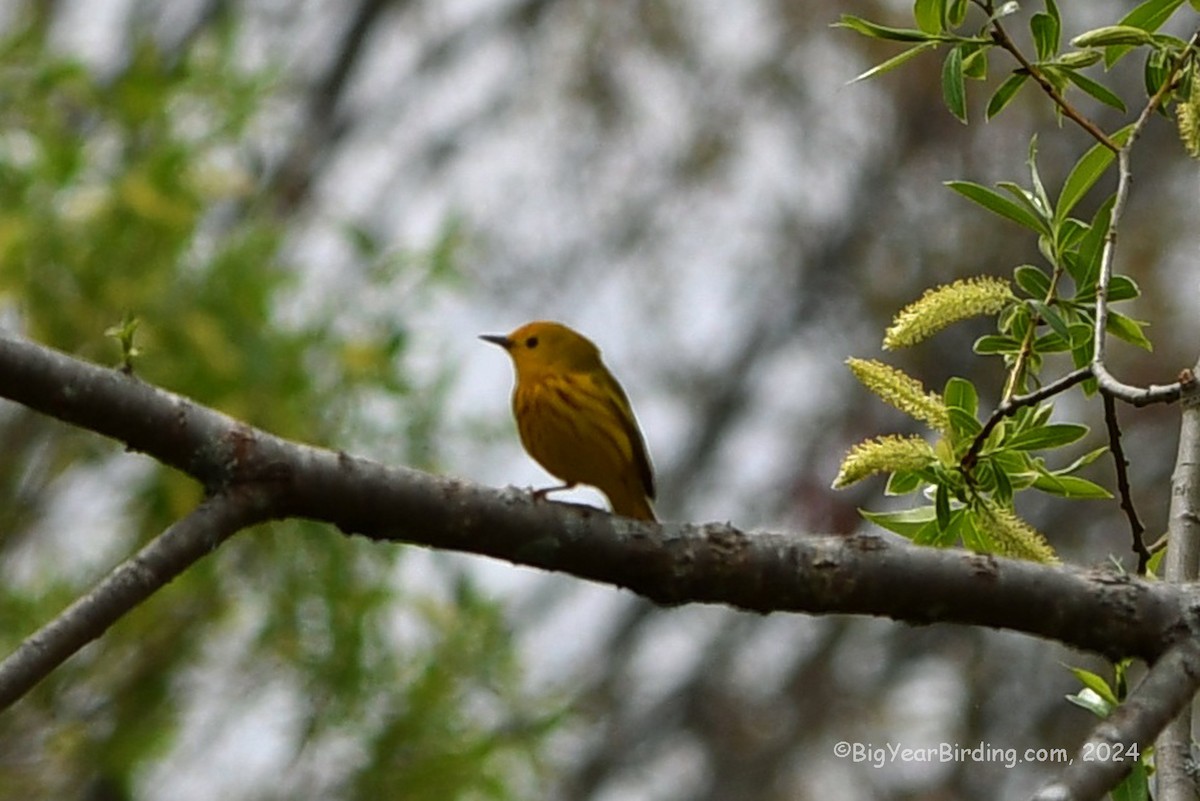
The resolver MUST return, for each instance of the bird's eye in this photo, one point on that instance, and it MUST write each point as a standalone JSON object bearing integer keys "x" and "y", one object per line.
{"x": 531, "y": 342}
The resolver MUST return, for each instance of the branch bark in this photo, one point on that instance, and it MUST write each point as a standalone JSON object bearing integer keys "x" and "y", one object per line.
{"x": 1167, "y": 687}
{"x": 135, "y": 580}
{"x": 1175, "y": 773}
{"x": 1110, "y": 614}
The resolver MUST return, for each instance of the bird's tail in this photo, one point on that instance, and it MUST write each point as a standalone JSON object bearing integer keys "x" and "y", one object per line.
{"x": 632, "y": 504}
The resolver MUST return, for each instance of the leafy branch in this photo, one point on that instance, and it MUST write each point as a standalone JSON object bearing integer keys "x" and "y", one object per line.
{"x": 1065, "y": 307}
{"x": 974, "y": 470}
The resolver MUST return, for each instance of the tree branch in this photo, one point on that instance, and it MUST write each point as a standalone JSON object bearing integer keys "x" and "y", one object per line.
{"x": 1000, "y": 37}
{"x": 1124, "y": 491}
{"x": 1138, "y": 396}
{"x": 132, "y": 582}
{"x": 1168, "y": 687}
{"x": 1174, "y": 764}
{"x": 1012, "y": 404}
{"x": 1109, "y": 614}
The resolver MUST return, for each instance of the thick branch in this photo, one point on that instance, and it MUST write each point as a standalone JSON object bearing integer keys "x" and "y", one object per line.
{"x": 675, "y": 563}
{"x": 1183, "y": 525}
{"x": 1168, "y": 687}
{"x": 131, "y": 583}
{"x": 1175, "y": 775}
{"x": 198, "y": 441}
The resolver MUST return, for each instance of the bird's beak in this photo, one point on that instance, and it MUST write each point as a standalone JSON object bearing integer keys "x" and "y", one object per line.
{"x": 497, "y": 339}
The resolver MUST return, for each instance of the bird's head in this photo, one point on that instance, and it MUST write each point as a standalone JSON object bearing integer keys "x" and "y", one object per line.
{"x": 544, "y": 347}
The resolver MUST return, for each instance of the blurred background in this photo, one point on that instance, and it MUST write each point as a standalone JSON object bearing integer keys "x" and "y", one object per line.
{"x": 312, "y": 207}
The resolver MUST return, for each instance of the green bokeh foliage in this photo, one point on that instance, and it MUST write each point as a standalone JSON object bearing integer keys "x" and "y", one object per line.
{"x": 127, "y": 194}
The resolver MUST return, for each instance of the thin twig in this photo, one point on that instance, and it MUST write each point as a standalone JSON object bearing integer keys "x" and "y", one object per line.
{"x": 1138, "y": 396}
{"x": 1017, "y": 373}
{"x": 1001, "y": 38}
{"x": 1122, "y": 466}
{"x": 1011, "y": 405}
{"x": 132, "y": 582}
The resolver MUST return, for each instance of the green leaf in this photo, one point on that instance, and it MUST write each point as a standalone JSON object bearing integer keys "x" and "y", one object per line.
{"x": 1070, "y": 232}
{"x": 1005, "y": 93}
{"x": 1045, "y": 30}
{"x": 995, "y": 202}
{"x": 1087, "y": 268}
{"x": 994, "y": 344}
{"x": 1052, "y": 10}
{"x": 1135, "y": 786}
{"x": 1054, "y": 435}
{"x": 960, "y": 394}
{"x": 956, "y": 12}
{"x": 1000, "y": 432}
{"x": 1025, "y": 198}
{"x": 1078, "y": 59}
{"x": 895, "y": 61}
{"x": 1110, "y": 35}
{"x": 1052, "y": 318}
{"x": 1032, "y": 280}
{"x": 1017, "y": 322}
{"x": 1013, "y": 462}
{"x": 954, "y": 90}
{"x": 1084, "y": 460}
{"x": 1149, "y": 16}
{"x": 1156, "y": 562}
{"x": 1128, "y": 329}
{"x": 1081, "y": 356}
{"x": 1122, "y": 287}
{"x": 963, "y": 424}
{"x": 975, "y": 63}
{"x": 1096, "y": 684}
{"x": 1032, "y": 416}
{"x": 929, "y": 15}
{"x": 1087, "y": 170}
{"x": 875, "y": 31}
{"x": 1039, "y": 189}
{"x": 903, "y": 482}
{"x": 936, "y": 536}
{"x": 1096, "y": 90}
{"x": 1050, "y": 343}
{"x": 1070, "y": 487}
{"x": 1003, "y": 491}
{"x": 1089, "y": 700}
{"x": 906, "y": 523}
{"x": 1006, "y": 9}
{"x": 1155, "y": 72}
{"x": 971, "y": 535}
{"x": 941, "y": 502}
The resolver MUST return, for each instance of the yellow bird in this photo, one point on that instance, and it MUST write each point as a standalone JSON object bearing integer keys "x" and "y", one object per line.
{"x": 573, "y": 417}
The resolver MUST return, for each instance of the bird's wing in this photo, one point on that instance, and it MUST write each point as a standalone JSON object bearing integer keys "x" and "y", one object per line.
{"x": 623, "y": 411}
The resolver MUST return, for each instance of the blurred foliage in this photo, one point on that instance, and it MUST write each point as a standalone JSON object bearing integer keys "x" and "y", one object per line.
{"x": 124, "y": 198}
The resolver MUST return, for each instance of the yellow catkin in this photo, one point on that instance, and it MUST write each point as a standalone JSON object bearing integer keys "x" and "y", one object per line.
{"x": 883, "y": 455}
{"x": 1187, "y": 113}
{"x": 574, "y": 419}
{"x": 1012, "y": 536}
{"x": 945, "y": 305}
{"x": 902, "y": 391}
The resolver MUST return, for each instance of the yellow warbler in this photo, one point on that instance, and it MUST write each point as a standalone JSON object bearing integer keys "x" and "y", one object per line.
{"x": 574, "y": 418}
